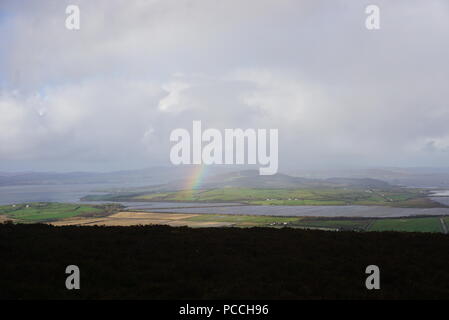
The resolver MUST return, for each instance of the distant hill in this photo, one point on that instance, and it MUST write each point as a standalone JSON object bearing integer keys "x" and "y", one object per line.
{"x": 144, "y": 177}
{"x": 252, "y": 179}
{"x": 421, "y": 177}
{"x": 173, "y": 177}
{"x": 359, "y": 182}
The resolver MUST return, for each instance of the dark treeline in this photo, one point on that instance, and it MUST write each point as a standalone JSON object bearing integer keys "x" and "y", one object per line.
{"x": 161, "y": 262}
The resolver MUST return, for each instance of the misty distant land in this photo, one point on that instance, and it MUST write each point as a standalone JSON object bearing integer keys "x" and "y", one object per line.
{"x": 420, "y": 177}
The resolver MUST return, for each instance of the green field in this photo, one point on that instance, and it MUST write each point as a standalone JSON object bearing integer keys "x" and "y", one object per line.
{"x": 340, "y": 224}
{"x": 407, "y": 225}
{"x": 47, "y": 212}
{"x": 431, "y": 224}
{"x": 394, "y": 197}
{"x": 43, "y": 212}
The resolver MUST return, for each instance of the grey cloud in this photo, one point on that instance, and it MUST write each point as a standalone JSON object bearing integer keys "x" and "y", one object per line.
{"x": 109, "y": 94}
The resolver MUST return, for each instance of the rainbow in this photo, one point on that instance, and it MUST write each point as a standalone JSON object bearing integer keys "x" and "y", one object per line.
{"x": 195, "y": 179}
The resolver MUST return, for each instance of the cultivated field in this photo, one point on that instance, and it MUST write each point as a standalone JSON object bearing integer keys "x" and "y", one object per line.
{"x": 142, "y": 218}
{"x": 408, "y": 225}
{"x": 126, "y": 218}
{"x": 4, "y": 218}
{"x": 424, "y": 224}
{"x": 61, "y": 214}
{"x": 49, "y": 211}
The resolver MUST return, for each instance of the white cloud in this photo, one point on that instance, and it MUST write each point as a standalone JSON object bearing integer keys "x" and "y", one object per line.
{"x": 172, "y": 102}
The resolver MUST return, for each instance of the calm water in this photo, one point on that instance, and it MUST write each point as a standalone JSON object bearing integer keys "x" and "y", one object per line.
{"x": 46, "y": 193}
{"x": 441, "y": 196}
{"x": 440, "y": 193}
{"x": 72, "y": 194}
{"x": 443, "y": 200}
{"x": 319, "y": 211}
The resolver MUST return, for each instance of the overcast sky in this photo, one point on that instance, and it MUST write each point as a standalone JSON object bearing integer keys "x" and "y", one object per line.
{"x": 107, "y": 96}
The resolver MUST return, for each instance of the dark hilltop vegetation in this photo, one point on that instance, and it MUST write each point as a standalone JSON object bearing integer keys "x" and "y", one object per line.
{"x": 161, "y": 262}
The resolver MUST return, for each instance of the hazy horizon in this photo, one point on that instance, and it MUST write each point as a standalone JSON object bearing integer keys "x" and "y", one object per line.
{"x": 218, "y": 169}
